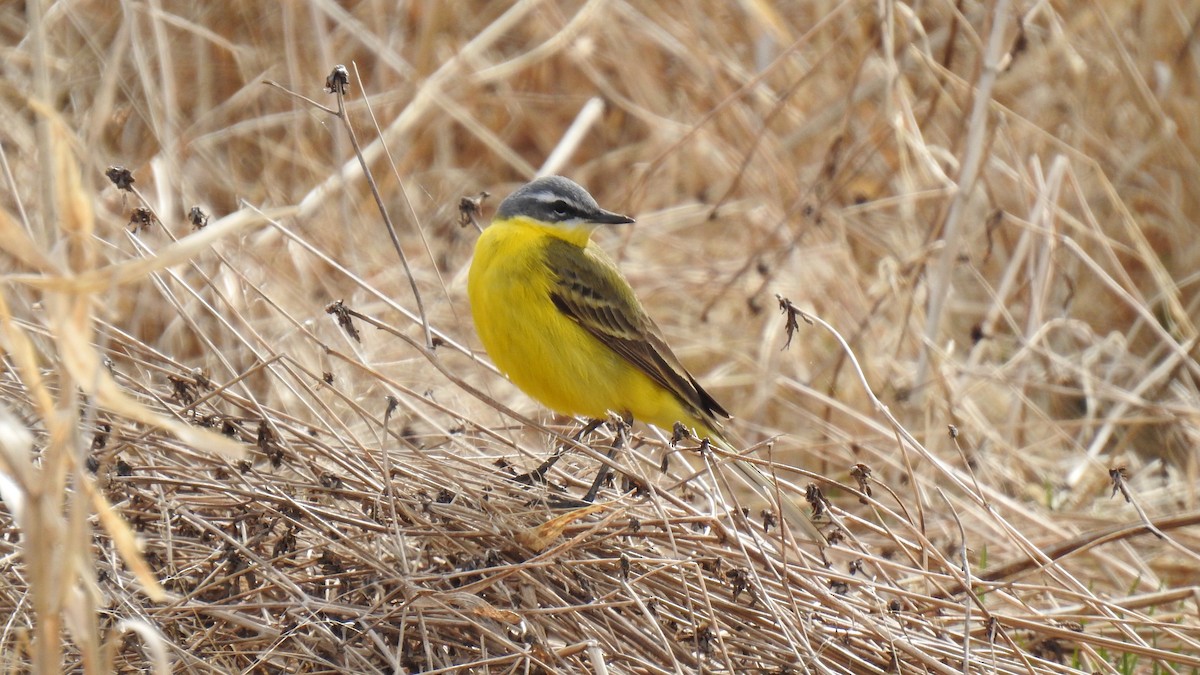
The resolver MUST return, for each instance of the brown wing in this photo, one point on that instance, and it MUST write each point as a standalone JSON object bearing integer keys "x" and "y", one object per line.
{"x": 589, "y": 294}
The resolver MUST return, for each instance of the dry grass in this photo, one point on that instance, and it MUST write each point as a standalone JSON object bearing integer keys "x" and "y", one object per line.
{"x": 994, "y": 204}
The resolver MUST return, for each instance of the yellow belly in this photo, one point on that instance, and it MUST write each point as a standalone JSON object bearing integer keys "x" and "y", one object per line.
{"x": 546, "y": 354}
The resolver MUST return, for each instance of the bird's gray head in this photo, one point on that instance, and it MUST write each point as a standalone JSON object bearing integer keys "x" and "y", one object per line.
{"x": 554, "y": 199}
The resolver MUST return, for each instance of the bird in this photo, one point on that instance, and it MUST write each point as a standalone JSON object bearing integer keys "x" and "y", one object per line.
{"x": 557, "y": 316}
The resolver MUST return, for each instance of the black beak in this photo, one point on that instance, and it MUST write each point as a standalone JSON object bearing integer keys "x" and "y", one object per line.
{"x": 609, "y": 218}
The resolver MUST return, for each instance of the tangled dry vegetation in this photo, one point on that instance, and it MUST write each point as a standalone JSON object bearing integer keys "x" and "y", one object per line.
{"x": 994, "y": 204}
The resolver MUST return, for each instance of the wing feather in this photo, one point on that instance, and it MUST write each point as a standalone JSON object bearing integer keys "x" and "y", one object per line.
{"x": 590, "y": 295}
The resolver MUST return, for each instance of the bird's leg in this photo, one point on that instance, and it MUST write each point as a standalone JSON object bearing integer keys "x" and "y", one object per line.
{"x": 622, "y": 425}
{"x": 591, "y": 426}
{"x": 538, "y": 475}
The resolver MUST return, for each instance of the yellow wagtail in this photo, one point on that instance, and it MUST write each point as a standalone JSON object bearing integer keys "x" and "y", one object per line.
{"x": 558, "y": 317}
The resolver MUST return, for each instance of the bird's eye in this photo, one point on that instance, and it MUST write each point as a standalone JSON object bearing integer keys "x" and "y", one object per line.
{"x": 560, "y": 208}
